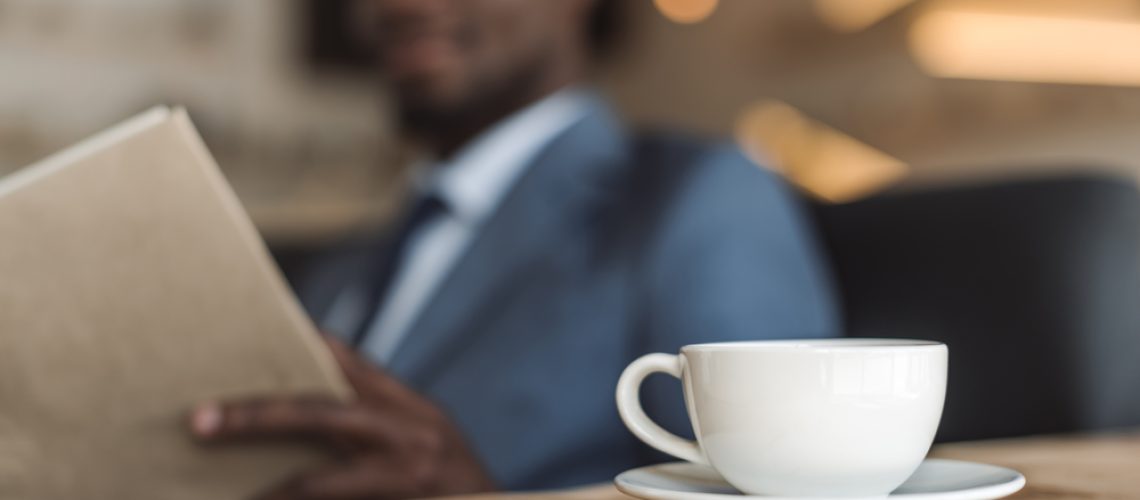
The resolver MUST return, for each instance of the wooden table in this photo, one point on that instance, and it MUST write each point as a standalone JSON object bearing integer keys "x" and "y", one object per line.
{"x": 1104, "y": 467}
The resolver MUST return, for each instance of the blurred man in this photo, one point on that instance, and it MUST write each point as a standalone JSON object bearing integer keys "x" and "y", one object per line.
{"x": 546, "y": 248}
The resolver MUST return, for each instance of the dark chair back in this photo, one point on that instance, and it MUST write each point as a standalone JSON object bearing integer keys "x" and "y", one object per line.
{"x": 1034, "y": 286}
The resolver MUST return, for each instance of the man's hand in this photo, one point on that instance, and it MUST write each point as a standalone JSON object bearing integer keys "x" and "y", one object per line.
{"x": 392, "y": 443}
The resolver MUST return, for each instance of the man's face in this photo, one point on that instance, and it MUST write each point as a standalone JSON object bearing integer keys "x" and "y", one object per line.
{"x": 446, "y": 57}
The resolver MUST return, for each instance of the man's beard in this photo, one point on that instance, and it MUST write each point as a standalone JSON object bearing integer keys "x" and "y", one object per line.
{"x": 488, "y": 99}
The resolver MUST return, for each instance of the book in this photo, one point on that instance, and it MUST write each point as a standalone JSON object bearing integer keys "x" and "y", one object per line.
{"x": 132, "y": 287}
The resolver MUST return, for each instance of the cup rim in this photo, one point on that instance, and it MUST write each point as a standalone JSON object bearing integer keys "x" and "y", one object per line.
{"x": 818, "y": 345}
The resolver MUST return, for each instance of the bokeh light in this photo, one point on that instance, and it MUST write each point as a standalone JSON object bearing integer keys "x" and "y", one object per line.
{"x": 855, "y": 15}
{"x": 961, "y": 43}
{"x": 686, "y": 11}
{"x": 820, "y": 159}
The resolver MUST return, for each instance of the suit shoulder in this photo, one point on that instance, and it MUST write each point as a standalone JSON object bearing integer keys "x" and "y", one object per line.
{"x": 674, "y": 169}
{"x": 704, "y": 203}
{"x": 731, "y": 246}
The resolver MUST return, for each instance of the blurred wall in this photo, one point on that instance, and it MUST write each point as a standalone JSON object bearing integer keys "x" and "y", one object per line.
{"x": 866, "y": 83}
{"x": 308, "y": 150}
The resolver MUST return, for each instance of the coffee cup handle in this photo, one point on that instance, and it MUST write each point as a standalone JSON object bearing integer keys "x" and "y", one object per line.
{"x": 629, "y": 407}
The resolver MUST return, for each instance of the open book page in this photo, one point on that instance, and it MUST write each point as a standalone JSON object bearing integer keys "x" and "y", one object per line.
{"x": 132, "y": 286}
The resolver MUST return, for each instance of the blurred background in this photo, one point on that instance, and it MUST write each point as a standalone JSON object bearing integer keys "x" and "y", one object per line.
{"x": 847, "y": 98}
{"x": 973, "y": 163}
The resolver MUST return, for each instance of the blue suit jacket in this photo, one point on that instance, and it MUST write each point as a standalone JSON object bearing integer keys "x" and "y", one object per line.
{"x": 609, "y": 247}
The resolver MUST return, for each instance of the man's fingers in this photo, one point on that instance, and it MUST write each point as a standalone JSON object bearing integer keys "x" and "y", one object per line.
{"x": 367, "y": 379}
{"x": 289, "y": 418}
{"x": 365, "y": 478}
{"x": 355, "y": 369}
{"x": 265, "y": 418}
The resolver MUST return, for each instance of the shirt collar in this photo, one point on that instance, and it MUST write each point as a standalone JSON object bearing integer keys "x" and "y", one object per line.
{"x": 479, "y": 176}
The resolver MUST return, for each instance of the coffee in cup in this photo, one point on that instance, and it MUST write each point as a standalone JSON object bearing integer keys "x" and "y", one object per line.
{"x": 803, "y": 418}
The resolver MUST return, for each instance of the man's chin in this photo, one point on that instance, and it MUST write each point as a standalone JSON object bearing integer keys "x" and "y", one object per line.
{"x": 430, "y": 103}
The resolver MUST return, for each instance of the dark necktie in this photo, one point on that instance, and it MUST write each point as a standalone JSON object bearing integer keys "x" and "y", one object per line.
{"x": 379, "y": 281}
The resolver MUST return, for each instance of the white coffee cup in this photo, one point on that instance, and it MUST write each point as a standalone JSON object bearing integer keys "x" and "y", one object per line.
{"x": 800, "y": 418}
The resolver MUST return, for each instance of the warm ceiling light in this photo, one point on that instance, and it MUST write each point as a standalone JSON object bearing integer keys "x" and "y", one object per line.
{"x": 1051, "y": 49}
{"x": 686, "y": 11}
{"x": 820, "y": 159}
{"x": 856, "y": 15}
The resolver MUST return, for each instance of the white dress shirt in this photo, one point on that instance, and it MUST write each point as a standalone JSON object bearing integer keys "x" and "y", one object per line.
{"x": 472, "y": 185}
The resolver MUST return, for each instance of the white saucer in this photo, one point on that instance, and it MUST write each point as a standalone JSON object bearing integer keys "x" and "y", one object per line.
{"x": 935, "y": 479}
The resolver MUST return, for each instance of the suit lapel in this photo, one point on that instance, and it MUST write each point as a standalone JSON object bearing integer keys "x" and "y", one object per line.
{"x": 333, "y": 273}
{"x": 569, "y": 175}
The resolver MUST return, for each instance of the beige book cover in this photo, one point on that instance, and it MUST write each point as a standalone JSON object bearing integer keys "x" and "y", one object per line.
{"x": 132, "y": 286}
